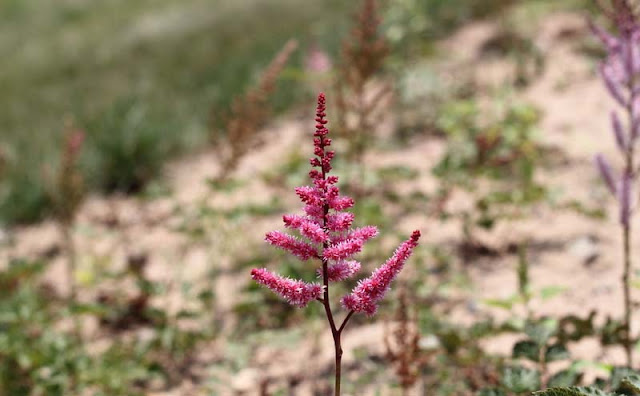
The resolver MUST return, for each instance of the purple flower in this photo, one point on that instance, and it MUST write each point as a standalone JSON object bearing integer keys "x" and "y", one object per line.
{"x": 606, "y": 173}
{"x": 624, "y": 198}
{"x": 612, "y": 81}
{"x": 618, "y": 133}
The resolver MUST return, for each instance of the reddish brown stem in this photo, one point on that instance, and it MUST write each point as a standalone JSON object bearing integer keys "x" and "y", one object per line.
{"x": 336, "y": 332}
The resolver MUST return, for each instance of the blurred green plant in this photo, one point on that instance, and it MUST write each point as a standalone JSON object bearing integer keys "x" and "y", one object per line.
{"x": 409, "y": 22}
{"x": 23, "y": 195}
{"x": 37, "y": 357}
{"x": 176, "y": 58}
{"x": 492, "y": 156}
{"x": 129, "y": 144}
{"x": 622, "y": 382}
{"x": 525, "y": 292}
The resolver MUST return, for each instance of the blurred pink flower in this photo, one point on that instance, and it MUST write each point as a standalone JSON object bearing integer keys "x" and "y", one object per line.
{"x": 317, "y": 60}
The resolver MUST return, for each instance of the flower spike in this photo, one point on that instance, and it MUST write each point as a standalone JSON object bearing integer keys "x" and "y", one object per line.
{"x": 296, "y": 292}
{"x": 368, "y": 292}
{"x": 327, "y": 234}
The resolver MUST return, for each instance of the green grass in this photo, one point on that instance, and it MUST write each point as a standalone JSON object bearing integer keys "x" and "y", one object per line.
{"x": 102, "y": 61}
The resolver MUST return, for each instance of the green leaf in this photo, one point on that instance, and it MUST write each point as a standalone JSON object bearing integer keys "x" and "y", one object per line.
{"x": 519, "y": 379}
{"x": 504, "y": 303}
{"x": 491, "y": 392}
{"x": 550, "y": 292}
{"x": 630, "y": 385}
{"x": 573, "y": 391}
{"x": 523, "y": 271}
{"x": 527, "y": 350}
{"x": 612, "y": 333}
{"x": 557, "y": 352}
{"x": 573, "y": 328}
{"x": 564, "y": 378}
{"x": 541, "y": 331}
{"x": 618, "y": 374}
{"x": 530, "y": 350}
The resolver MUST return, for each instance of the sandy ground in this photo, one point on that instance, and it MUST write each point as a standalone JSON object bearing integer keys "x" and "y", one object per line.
{"x": 567, "y": 249}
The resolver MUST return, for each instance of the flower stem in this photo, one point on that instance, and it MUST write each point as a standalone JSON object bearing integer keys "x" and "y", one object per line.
{"x": 626, "y": 232}
{"x": 626, "y": 229}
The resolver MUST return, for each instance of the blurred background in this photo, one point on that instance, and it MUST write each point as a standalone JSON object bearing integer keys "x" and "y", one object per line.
{"x": 147, "y": 146}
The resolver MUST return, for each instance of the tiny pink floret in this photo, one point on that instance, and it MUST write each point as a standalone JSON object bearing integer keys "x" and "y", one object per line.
{"x": 295, "y": 292}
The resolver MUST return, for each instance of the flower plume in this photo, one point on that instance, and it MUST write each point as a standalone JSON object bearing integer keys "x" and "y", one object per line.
{"x": 365, "y": 296}
{"x": 295, "y": 292}
{"x": 326, "y": 233}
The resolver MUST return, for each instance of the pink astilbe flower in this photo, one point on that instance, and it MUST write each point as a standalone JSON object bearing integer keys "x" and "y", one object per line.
{"x": 344, "y": 249}
{"x": 342, "y": 270}
{"x": 340, "y": 221}
{"x": 298, "y": 248}
{"x": 341, "y": 203}
{"x": 295, "y": 292}
{"x": 309, "y": 195}
{"x": 327, "y": 234}
{"x": 306, "y": 226}
{"x": 317, "y": 60}
{"x": 365, "y": 233}
{"x": 365, "y": 296}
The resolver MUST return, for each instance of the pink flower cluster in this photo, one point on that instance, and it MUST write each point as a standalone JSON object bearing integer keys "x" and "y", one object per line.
{"x": 620, "y": 71}
{"x": 369, "y": 291}
{"x": 296, "y": 292}
{"x": 326, "y": 233}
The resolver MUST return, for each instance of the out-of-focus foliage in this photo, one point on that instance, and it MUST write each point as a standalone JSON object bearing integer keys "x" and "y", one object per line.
{"x": 38, "y": 357}
{"x": 103, "y": 62}
{"x": 41, "y": 355}
{"x": 128, "y": 145}
{"x": 493, "y": 156}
